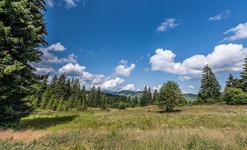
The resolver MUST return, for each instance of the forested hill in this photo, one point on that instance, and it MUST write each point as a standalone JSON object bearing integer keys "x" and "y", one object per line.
{"x": 123, "y": 92}
{"x": 136, "y": 93}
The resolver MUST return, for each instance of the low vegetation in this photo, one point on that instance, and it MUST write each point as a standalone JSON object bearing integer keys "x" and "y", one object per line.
{"x": 194, "y": 127}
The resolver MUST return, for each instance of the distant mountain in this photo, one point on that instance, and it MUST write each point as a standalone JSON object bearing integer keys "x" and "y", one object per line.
{"x": 191, "y": 95}
{"x": 138, "y": 93}
{"x": 123, "y": 92}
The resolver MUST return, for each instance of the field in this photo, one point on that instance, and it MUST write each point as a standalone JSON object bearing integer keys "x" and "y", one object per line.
{"x": 191, "y": 127}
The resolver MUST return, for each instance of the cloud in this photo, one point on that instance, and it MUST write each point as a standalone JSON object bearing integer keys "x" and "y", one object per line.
{"x": 238, "y": 32}
{"x": 130, "y": 87}
{"x": 67, "y": 3}
{"x": 56, "y": 47}
{"x": 77, "y": 71}
{"x": 123, "y": 62}
{"x": 70, "y": 3}
{"x": 123, "y": 69}
{"x": 167, "y": 24}
{"x": 44, "y": 70}
{"x": 191, "y": 86}
{"x": 220, "y": 16}
{"x": 224, "y": 58}
{"x": 50, "y": 3}
{"x": 49, "y": 58}
{"x": 112, "y": 84}
{"x": 158, "y": 87}
{"x": 72, "y": 70}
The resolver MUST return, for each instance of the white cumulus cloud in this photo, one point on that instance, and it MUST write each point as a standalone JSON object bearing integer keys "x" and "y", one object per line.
{"x": 130, "y": 87}
{"x": 112, "y": 84}
{"x": 49, "y": 58}
{"x": 167, "y": 24}
{"x": 123, "y": 69}
{"x": 238, "y": 32}
{"x": 72, "y": 70}
{"x": 224, "y": 58}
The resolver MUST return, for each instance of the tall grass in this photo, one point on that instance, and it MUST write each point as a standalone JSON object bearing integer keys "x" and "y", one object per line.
{"x": 194, "y": 127}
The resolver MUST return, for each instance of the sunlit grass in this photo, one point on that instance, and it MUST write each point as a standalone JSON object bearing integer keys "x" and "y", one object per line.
{"x": 194, "y": 127}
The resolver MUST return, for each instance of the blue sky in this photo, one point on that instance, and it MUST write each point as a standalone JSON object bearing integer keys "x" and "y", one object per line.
{"x": 127, "y": 44}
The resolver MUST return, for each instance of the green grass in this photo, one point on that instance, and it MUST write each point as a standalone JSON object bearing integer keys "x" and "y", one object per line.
{"x": 194, "y": 127}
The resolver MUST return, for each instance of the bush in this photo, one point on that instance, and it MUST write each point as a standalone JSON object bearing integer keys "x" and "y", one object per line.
{"x": 230, "y": 93}
{"x": 114, "y": 105}
{"x": 122, "y": 106}
{"x": 198, "y": 101}
{"x": 239, "y": 99}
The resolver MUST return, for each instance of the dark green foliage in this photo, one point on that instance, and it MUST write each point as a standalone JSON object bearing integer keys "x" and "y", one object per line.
{"x": 235, "y": 96}
{"x": 46, "y": 97}
{"x": 122, "y": 105}
{"x": 145, "y": 95}
{"x": 135, "y": 101}
{"x": 230, "y": 93}
{"x": 22, "y": 30}
{"x": 93, "y": 97}
{"x": 169, "y": 96}
{"x": 243, "y": 76}
{"x": 210, "y": 87}
{"x": 149, "y": 96}
{"x": 60, "y": 106}
{"x": 114, "y": 105}
{"x": 232, "y": 83}
{"x": 239, "y": 99}
{"x": 103, "y": 102}
{"x": 155, "y": 96}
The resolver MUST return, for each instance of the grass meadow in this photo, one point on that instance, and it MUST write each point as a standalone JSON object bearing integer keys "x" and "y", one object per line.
{"x": 214, "y": 127}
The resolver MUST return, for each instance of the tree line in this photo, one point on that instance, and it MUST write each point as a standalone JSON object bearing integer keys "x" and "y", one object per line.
{"x": 235, "y": 91}
{"x": 63, "y": 94}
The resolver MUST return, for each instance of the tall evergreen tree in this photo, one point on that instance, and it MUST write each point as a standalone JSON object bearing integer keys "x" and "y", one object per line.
{"x": 144, "y": 98}
{"x": 135, "y": 101}
{"x": 54, "y": 81}
{"x": 22, "y": 30}
{"x": 149, "y": 96}
{"x": 155, "y": 96}
{"x": 46, "y": 97}
{"x": 128, "y": 99}
{"x": 68, "y": 89}
{"x": 210, "y": 87}
{"x": 243, "y": 76}
{"x": 91, "y": 97}
{"x": 103, "y": 102}
{"x": 229, "y": 82}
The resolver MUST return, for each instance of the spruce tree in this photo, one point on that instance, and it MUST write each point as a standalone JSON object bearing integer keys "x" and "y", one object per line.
{"x": 210, "y": 87}
{"x": 22, "y": 30}
{"x": 103, "y": 102}
{"x": 46, "y": 97}
{"x": 243, "y": 76}
{"x": 135, "y": 101}
{"x": 149, "y": 96}
{"x": 144, "y": 98}
{"x": 129, "y": 99}
{"x": 155, "y": 96}
{"x": 229, "y": 82}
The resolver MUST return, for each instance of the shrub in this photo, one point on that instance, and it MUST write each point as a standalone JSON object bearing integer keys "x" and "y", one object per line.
{"x": 122, "y": 106}
{"x": 230, "y": 93}
{"x": 198, "y": 101}
{"x": 114, "y": 105}
{"x": 239, "y": 99}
